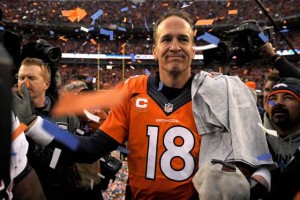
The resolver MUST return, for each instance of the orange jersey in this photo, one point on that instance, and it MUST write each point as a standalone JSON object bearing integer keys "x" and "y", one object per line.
{"x": 162, "y": 140}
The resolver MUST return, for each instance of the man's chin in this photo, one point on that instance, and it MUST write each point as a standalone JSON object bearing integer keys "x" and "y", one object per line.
{"x": 280, "y": 121}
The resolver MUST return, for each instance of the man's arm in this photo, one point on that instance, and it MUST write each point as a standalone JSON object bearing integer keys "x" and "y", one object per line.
{"x": 47, "y": 134}
{"x": 285, "y": 68}
{"x": 77, "y": 148}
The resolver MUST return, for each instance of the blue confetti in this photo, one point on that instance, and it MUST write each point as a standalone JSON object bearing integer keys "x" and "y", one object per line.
{"x": 272, "y": 103}
{"x": 211, "y": 38}
{"x": 263, "y": 37}
{"x": 61, "y": 135}
{"x": 199, "y": 37}
{"x": 1, "y": 28}
{"x": 284, "y": 31}
{"x": 133, "y": 6}
{"x": 124, "y": 9}
{"x": 147, "y": 72}
{"x": 265, "y": 156}
{"x": 91, "y": 28}
{"x": 96, "y": 15}
{"x": 121, "y": 29}
{"x": 160, "y": 86}
{"x": 146, "y": 25}
{"x": 51, "y": 32}
{"x": 132, "y": 57}
{"x": 107, "y": 32}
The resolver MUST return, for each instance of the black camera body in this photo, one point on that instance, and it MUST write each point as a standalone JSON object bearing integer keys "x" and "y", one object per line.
{"x": 243, "y": 43}
{"x": 43, "y": 50}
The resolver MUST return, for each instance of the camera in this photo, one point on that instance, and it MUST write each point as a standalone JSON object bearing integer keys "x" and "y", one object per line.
{"x": 43, "y": 50}
{"x": 242, "y": 43}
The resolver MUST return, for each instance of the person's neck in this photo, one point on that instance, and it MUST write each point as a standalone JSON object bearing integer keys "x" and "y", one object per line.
{"x": 39, "y": 101}
{"x": 174, "y": 80}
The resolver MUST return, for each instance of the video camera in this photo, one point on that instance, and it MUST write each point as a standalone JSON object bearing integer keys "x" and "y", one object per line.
{"x": 243, "y": 43}
{"x": 43, "y": 50}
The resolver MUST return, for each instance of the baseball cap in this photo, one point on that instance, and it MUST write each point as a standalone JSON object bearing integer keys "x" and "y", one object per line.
{"x": 287, "y": 85}
{"x": 213, "y": 183}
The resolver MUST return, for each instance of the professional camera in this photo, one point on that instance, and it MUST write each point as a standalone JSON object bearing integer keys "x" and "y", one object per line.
{"x": 43, "y": 50}
{"x": 242, "y": 43}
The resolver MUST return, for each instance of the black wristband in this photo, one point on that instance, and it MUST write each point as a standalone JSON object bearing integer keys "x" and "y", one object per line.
{"x": 275, "y": 58}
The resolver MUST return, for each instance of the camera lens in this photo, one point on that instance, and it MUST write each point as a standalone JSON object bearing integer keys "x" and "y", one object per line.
{"x": 54, "y": 54}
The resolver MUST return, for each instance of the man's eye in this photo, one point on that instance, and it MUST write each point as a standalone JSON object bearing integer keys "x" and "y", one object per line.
{"x": 289, "y": 97}
{"x": 184, "y": 39}
{"x": 272, "y": 98}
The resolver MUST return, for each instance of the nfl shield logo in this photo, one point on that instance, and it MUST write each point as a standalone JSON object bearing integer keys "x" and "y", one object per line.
{"x": 168, "y": 108}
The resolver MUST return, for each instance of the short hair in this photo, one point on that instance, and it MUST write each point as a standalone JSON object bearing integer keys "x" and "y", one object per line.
{"x": 75, "y": 85}
{"x": 46, "y": 72}
{"x": 179, "y": 13}
{"x": 272, "y": 76}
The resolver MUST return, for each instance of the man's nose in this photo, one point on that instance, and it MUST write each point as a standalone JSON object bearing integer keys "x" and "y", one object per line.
{"x": 175, "y": 46}
{"x": 279, "y": 100}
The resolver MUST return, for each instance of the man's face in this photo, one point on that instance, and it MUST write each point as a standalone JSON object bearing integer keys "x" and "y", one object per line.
{"x": 286, "y": 110}
{"x": 174, "y": 47}
{"x": 33, "y": 75}
{"x": 266, "y": 90}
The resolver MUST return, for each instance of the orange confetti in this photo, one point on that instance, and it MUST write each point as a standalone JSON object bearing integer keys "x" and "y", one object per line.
{"x": 228, "y": 4}
{"x": 125, "y": 19}
{"x": 72, "y": 15}
{"x": 70, "y": 103}
{"x": 20, "y": 129}
{"x": 81, "y": 13}
{"x": 232, "y": 12}
{"x": 221, "y": 17}
{"x": 139, "y": 61}
{"x": 67, "y": 13}
{"x": 63, "y": 38}
{"x": 93, "y": 41}
{"x": 165, "y": 4}
{"x": 203, "y": 22}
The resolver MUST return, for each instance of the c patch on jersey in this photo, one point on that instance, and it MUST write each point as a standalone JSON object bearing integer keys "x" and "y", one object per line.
{"x": 141, "y": 104}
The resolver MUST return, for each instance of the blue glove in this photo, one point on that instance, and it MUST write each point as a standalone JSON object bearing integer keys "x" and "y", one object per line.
{"x": 23, "y": 107}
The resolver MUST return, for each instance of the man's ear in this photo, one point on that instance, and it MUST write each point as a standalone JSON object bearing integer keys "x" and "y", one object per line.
{"x": 47, "y": 84}
{"x": 154, "y": 52}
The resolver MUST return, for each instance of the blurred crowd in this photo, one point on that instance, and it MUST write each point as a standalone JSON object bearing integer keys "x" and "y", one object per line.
{"x": 136, "y": 18}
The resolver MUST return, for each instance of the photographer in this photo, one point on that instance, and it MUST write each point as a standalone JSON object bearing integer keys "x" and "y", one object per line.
{"x": 56, "y": 180}
{"x": 51, "y": 56}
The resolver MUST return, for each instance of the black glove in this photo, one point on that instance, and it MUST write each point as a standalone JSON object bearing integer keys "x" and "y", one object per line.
{"x": 23, "y": 107}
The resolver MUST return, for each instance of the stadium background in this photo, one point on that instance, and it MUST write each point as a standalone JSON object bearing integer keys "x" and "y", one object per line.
{"x": 128, "y": 25}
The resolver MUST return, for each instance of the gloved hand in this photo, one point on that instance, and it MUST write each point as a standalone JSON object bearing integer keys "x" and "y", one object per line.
{"x": 23, "y": 107}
